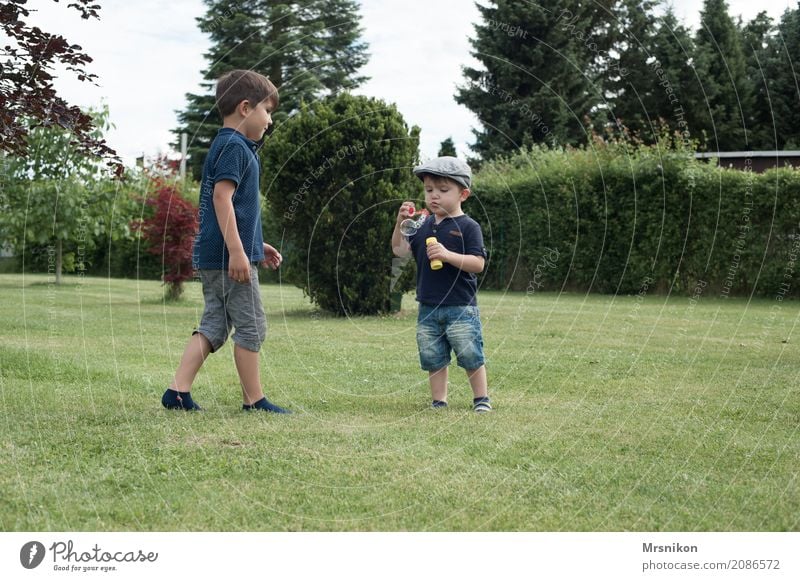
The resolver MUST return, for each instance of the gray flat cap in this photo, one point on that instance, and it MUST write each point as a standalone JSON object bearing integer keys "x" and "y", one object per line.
{"x": 448, "y": 167}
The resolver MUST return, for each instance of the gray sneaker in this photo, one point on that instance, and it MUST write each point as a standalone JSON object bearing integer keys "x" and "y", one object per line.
{"x": 481, "y": 405}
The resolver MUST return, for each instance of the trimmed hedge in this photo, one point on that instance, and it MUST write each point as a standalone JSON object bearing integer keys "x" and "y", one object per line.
{"x": 616, "y": 218}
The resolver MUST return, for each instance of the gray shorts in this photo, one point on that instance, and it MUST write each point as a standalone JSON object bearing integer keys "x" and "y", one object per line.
{"x": 230, "y": 304}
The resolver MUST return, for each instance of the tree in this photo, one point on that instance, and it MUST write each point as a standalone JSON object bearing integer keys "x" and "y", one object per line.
{"x": 537, "y": 83}
{"x": 630, "y": 84}
{"x": 722, "y": 69}
{"x": 781, "y": 70}
{"x": 27, "y": 96}
{"x": 169, "y": 233}
{"x": 447, "y": 147}
{"x": 677, "y": 89}
{"x": 237, "y": 37}
{"x": 308, "y": 48}
{"x": 55, "y": 195}
{"x": 760, "y": 50}
{"x": 336, "y": 174}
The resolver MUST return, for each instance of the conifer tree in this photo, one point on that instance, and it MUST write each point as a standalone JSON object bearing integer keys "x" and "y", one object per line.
{"x": 447, "y": 147}
{"x": 677, "y": 89}
{"x": 308, "y": 48}
{"x": 631, "y": 85}
{"x": 537, "y": 85}
{"x": 722, "y": 70}
{"x": 759, "y": 48}
{"x": 782, "y": 71}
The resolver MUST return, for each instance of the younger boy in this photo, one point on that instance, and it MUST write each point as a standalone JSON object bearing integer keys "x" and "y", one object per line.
{"x": 448, "y": 310}
{"x": 229, "y": 244}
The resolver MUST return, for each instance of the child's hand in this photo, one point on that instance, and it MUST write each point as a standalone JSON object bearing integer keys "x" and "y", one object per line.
{"x": 406, "y": 211}
{"x": 438, "y": 251}
{"x": 239, "y": 267}
{"x": 272, "y": 258}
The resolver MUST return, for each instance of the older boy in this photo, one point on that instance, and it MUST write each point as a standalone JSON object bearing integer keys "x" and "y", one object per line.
{"x": 229, "y": 244}
{"x": 448, "y": 310}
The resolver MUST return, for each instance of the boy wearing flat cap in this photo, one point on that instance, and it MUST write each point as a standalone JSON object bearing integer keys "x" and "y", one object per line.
{"x": 448, "y": 317}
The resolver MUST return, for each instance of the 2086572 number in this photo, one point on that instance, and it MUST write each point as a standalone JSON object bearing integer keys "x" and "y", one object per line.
{"x": 754, "y": 564}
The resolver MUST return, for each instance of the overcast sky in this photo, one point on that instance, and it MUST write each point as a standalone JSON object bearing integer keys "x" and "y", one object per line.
{"x": 149, "y": 53}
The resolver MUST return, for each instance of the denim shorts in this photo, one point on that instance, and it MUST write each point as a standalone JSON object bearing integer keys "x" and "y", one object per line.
{"x": 441, "y": 329}
{"x": 230, "y": 304}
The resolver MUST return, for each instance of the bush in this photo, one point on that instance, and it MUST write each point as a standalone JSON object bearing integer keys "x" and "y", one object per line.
{"x": 335, "y": 174}
{"x": 169, "y": 234}
{"x": 125, "y": 258}
{"x": 617, "y": 218}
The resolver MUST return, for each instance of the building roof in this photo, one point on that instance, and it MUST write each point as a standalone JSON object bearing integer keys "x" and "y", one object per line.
{"x": 745, "y": 154}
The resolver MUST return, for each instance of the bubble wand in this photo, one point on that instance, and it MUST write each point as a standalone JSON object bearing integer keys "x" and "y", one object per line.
{"x": 411, "y": 226}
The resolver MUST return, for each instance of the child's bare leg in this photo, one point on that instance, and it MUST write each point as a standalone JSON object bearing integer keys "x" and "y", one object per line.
{"x": 247, "y": 366}
{"x": 249, "y": 377}
{"x": 179, "y": 396}
{"x": 438, "y": 381}
{"x": 195, "y": 353}
{"x": 478, "y": 382}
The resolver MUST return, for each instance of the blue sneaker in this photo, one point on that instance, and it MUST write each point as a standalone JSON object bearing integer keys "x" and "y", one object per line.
{"x": 438, "y": 404}
{"x": 177, "y": 400}
{"x": 265, "y": 405}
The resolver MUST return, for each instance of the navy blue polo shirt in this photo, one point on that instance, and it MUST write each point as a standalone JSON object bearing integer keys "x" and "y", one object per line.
{"x": 448, "y": 285}
{"x": 232, "y": 156}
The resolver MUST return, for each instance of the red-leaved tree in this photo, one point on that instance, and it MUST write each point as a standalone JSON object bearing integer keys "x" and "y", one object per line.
{"x": 170, "y": 233}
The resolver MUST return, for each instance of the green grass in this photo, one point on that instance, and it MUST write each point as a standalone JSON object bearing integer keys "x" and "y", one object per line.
{"x": 612, "y": 413}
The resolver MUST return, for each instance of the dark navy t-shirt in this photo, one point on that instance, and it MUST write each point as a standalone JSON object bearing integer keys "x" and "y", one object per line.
{"x": 231, "y": 157}
{"x": 448, "y": 285}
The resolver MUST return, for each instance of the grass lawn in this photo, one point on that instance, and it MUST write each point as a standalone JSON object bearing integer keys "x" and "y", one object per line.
{"x": 612, "y": 413}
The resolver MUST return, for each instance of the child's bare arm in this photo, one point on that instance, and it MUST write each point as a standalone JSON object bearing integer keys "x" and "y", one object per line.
{"x": 238, "y": 265}
{"x": 465, "y": 262}
{"x": 400, "y": 245}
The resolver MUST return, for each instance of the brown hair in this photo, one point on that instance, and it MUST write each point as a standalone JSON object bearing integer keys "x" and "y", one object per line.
{"x": 240, "y": 85}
